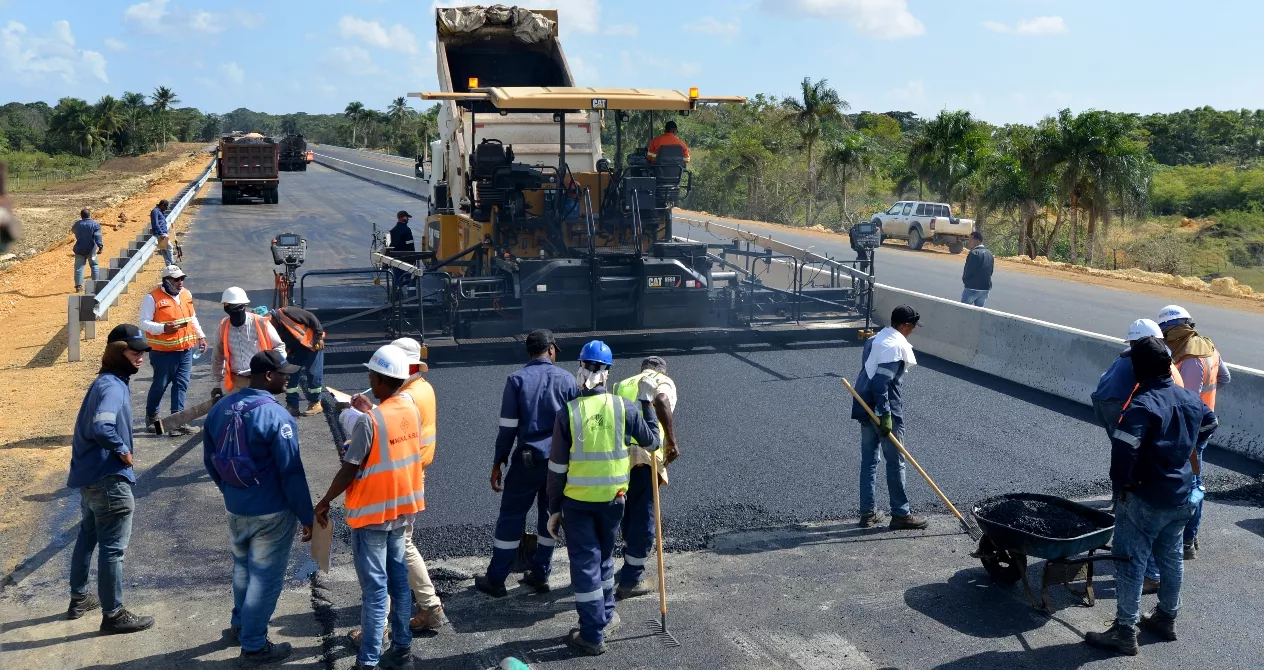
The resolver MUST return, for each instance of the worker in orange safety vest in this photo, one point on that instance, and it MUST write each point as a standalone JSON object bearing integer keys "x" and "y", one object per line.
{"x": 668, "y": 138}
{"x": 241, "y": 335}
{"x": 304, "y": 340}
{"x": 173, "y": 333}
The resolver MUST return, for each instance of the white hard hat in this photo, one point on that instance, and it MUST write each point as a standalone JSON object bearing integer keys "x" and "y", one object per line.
{"x": 389, "y": 361}
{"x": 234, "y": 295}
{"x": 1143, "y": 328}
{"x": 1172, "y": 313}
{"x": 172, "y": 271}
{"x": 411, "y": 347}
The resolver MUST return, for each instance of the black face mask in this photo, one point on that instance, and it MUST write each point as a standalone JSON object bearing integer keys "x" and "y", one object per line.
{"x": 170, "y": 288}
{"x": 236, "y": 314}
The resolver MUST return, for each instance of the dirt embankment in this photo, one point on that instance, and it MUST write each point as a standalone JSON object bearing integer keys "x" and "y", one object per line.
{"x": 40, "y": 391}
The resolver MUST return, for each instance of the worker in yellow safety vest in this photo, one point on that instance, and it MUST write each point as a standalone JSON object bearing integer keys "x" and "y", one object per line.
{"x": 383, "y": 476}
{"x": 589, "y": 471}
{"x": 242, "y": 334}
{"x": 173, "y": 333}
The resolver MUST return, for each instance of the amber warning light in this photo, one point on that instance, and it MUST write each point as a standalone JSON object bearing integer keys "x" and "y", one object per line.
{"x": 473, "y": 83}
{"x": 693, "y": 93}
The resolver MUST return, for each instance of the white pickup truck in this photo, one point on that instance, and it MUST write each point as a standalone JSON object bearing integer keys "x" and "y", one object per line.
{"x": 919, "y": 222}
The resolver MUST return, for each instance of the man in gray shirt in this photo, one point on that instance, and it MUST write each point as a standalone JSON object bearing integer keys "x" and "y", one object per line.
{"x": 88, "y": 244}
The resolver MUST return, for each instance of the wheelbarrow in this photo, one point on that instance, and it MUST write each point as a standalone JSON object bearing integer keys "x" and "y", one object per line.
{"x": 1004, "y": 550}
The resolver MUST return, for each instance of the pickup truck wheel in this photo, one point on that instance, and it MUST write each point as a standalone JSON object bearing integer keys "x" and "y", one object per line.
{"x": 915, "y": 239}
{"x": 956, "y": 247}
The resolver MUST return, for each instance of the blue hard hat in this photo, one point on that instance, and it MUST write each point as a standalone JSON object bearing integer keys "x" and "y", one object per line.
{"x": 596, "y": 352}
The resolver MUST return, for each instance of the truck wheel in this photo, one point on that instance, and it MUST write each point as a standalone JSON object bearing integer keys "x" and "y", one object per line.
{"x": 956, "y": 246}
{"x": 276, "y": 195}
{"x": 915, "y": 239}
{"x": 229, "y": 196}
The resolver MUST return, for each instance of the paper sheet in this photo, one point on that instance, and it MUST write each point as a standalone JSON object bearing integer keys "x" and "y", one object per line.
{"x": 322, "y": 544}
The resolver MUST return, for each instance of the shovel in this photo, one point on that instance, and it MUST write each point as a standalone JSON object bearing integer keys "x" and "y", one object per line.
{"x": 971, "y": 530}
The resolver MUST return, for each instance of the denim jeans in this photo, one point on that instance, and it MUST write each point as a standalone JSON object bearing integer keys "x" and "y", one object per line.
{"x": 168, "y": 254}
{"x": 261, "y": 551}
{"x": 1191, "y": 528}
{"x": 871, "y": 453}
{"x": 974, "y": 297}
{"x": 107, "y": 508}
{"x": 171, "y": 368}
{"x": 79, "y": 263}
{"x": 382, "y": 569}
{"x": 1142, "y": 530}
{"x": 312, "y": 366}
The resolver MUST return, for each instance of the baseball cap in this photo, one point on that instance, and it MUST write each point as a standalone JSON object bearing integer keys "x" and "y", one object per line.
{"x": 403, "y": 214}
{"x": 904, "y": 314}
{"x": 126, "y": 332}
{"x": 271, "y": 361}
{"x": 172, "y": 272}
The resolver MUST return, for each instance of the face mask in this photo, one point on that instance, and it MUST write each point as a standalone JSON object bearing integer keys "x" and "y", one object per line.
{"x": 589, "y": 379}
{"x": 170, "y": 287}
{"x": 236, "y": 314}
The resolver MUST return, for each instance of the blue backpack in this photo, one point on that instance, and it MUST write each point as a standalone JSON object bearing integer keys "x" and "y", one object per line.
{"x": 232, "y": 455}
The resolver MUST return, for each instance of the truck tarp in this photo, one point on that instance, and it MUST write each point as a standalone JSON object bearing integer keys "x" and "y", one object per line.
{"x": 527, "y": 25}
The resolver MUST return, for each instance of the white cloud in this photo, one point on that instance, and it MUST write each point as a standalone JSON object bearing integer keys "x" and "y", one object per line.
{"x": 911, "y": 93}
{"x": 146, "y": 15}
{"x": 114, "y": 44}
{"x": 205, "y": 22}
{"x": 232, "y": 72}
{"x": 637, "y": 64}
{"x": 28, "y": 56}
{"x": 581, "y": 16}
{"x": 351, "y": 60}
{"x": 248, "y": 18}
{"x": 374, "y": 34}
{"x": 161, "y": 17}
{"x": 883, "y": 19}
{"x": 1041, "y": 25}
{"x": 623, "y": 30}
{"x": 585, "y": 73}
{"x": 726, "y": 31}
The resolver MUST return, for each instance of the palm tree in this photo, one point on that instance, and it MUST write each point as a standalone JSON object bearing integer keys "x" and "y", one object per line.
{"x": 820, "y": 104}
{"x": 950, "y": 148}
{"x": 1018, "y": 178}
{"x": 1118, "y": 167}
{"x": 111, "y": 117}
{"x": 355, "y": 113}
{"x": 73, "y": 123}
{"x": 161, "y": 101}
{"x": 848, "y": 158}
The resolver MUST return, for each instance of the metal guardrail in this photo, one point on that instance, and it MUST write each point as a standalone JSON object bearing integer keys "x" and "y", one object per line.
{"x": 83, "y": 311}
{"x": 767, "y": 242}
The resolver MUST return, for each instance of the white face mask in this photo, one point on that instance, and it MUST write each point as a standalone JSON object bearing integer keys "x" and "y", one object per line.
{"x": 590, "y": 380}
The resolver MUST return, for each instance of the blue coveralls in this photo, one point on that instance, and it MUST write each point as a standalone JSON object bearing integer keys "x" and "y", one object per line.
{"x": 532, "y": 398}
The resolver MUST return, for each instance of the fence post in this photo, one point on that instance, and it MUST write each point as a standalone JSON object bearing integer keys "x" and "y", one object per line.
{"x": 72, "y": 329}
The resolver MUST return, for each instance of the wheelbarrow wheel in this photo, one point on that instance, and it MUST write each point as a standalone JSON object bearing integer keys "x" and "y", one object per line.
{"x": 1002, "y": 566}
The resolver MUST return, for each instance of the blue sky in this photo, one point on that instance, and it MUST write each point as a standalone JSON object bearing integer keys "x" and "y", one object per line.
{"x": 1004, "y": 60}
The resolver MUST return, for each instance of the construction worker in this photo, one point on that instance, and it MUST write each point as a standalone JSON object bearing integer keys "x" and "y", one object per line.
{"x": 668, "y": 138}
{"x": 250, "y": 449}
{"x": 87, "y": 245}
{"x": 242, "y": 334}
{"x": 1203, "y": 372}
{"x": 304, "y": 340}
{"x": 1154, "y": 459}
{"x": 589, "y": 471}
{"x": 101, "y": 468}
{"x": 427, "y": 608}
{"x": 1117, "y": 384}
{"x": 382, "y": 474}
{"x": 887, "y": 357}
{"x": 171, "y": 327}
{"x": 529, "y": 406}
{"x": 159, "y": 228}
{"x": 402, "y": 247}
{"x": 638, "y": 516}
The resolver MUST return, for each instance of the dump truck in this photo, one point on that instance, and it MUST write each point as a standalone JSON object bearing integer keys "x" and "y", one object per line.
{"x": 294, "y": 155}
{"x": 248, "y": 168}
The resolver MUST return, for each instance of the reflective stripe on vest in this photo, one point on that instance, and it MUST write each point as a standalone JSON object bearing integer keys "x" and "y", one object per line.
{"x": 265, "y": 343}
{"x": 305, "y": 336}
{"x": 166, "y": 310}
{"x": 600, "y": 465}
{"x": 629, "y": 388}
{"x": 389, "y": 483}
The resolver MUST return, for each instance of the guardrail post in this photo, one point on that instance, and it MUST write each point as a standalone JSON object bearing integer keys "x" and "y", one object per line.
{"x": 72, "y": 329}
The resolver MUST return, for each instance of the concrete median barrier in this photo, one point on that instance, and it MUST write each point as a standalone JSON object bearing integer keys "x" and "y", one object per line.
{"x": 410, "y": 185}
{"x": 1056, "y": 359}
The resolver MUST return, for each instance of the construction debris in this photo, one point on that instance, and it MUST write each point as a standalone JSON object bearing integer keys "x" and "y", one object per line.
{"x": 1222, "y": 286}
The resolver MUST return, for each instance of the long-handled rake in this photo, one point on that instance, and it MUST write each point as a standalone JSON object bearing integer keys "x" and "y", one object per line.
{"x": 659, "y": 626}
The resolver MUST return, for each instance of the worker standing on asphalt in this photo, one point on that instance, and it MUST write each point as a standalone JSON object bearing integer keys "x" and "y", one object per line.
{"x": 1117, "y": 383}
{"x": 101, "y": 468}
{"x": 669, "y": 138}
{"x": 304, "y": 340}
{"x": 887, "y": 357}
{"x": 532, "y": 400}
{"x": 638, "y": 516}
{"x": 250, "y": 449}
{"x": 171, "y": 327}
{"x": 1154, "y": 459}
{"x": 589, "y": 471}
{"x": 242, "y": 334}
{"x": 159, "y": 228}
{"x": 977, "y": 275}
{"x": 1203, "y": 372}
{"x": 382, "y": 474}
{"x": 88, "y": 244}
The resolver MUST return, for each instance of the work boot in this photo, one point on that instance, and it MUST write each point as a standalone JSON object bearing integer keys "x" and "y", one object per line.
{"x": 182, "y": 430}
{"x": 233, "y": 633}
{"x": 908, "y": 522}
{"x": 271, "y": 653}
{"x": 1149, "y": 586}
{"x": 431, "y": 618}
{"x": 575, "y": 641}
{"x": 81, "y": 606}
{"x": 874, "y": 518}
{"x": 151, "y": 423}
{"x": 493, "y": 589}
{"x": 613, "y": 625}
{"x": 1118, "y": 638}
{"x": 1191, "y": 551}
{"x": 1160, "y": 623}
{"x": 125, "y": 622}
{"x": 293, "y": 410}
{"x": 636, "y": 590}
{"x": 398, "y": 658}
{"x": 535, "y": 581}
{"x": 313, "y": 408}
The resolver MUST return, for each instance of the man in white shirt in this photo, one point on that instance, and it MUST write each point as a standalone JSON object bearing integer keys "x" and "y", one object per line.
{"x": 172, "y": 332}
{"x": 242, "y": 334}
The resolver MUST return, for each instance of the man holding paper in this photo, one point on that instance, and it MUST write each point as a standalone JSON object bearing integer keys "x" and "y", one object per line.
{"x": 172, "y": 330}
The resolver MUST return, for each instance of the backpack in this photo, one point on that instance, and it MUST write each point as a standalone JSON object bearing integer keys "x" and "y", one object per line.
{"x": 232, "y": 456}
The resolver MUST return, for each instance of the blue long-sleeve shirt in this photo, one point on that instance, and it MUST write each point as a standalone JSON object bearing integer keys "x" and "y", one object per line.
{"x": 882, "y": 392}
{"x": 1117, "y": 382}
{"x": 272, "y": 440}
{"x": 157, "y": 222}
{"x": 643, "y": 429}
{"x": 532, "y": 399}
{"x": 87, "y": 237}
{"x": 1150, "y": 447}
{"x": 103, "y": 432}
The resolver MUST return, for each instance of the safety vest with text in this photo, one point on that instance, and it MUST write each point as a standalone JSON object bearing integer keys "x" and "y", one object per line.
{"x": 167, "y": 310}
{"x": 305, "y": 336}
{"x": 390, "y": 482}
{"x": 265, "y": 343}
{"x": 1211, "y": 378}
{"x": 600, "y": 465}
{"x": 629, "y": 388}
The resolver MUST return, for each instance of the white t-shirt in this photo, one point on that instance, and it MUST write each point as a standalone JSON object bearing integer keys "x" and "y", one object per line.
{"x": 663, "y": 384}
